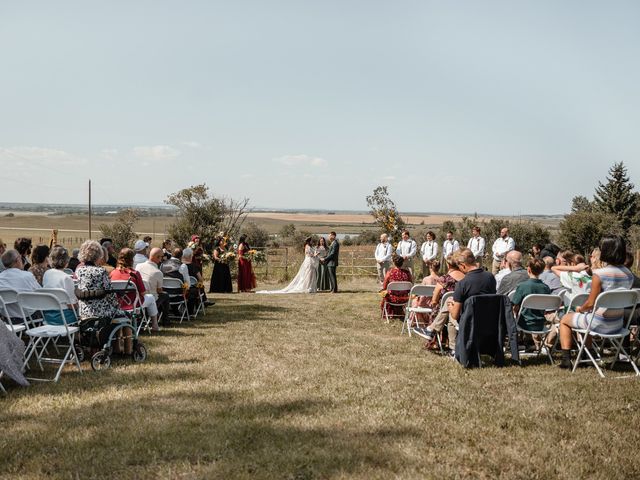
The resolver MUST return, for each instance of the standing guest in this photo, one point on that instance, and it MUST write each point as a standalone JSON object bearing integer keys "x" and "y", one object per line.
{"x": 449, "y": 246}
{"x": 611, "y": 276}
{"x": 246, "y": 277}
{"x": 331, "y": 261}
{"x": 516, "y": 277}
{"x": 140, "y": 249}
{"x": 153, "y": 277}
{"x": 429, "y": 251}
{"x": 383, "y": 254}
{"x": 434, "y": 273}
{"x": 531, "y": 319}
{"x": 15, "y": 278}
{"x": 124, "y": 271}
{"x": 174, "y": 267}
{"x": 407, "y": 249}
{"x": 23, "y": 246}
{"x": 323, "y": 283}
{"x": 475, "y": 282}
{"x": 73, "y": 261}
{"x": 107, "y": 243}
{"x": 396, "y": 274}
{"x": 549, "y": 278}
{"x": 221, "y": 275}
{"x": 55, "y": 277}
{"x": 3, "y": 248}
{"x": 477, "y": 245}
{"x": 198, "y": 257}
{"x": 40, "y": 262}
{"x": 501, "y": 247}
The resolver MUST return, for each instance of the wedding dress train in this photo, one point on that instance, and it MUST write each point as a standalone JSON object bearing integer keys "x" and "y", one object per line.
{"x": 306, "y": 278}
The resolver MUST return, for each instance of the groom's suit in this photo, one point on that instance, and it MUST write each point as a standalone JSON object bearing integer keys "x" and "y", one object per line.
{"x": 331, "y": 261}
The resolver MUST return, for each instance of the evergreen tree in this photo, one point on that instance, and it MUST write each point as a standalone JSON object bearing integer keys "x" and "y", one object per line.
{"x": 581, "y": 204}
{"x": 617, "y": 197}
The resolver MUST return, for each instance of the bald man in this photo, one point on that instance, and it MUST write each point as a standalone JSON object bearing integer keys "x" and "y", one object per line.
{"x": 516, "y": 277}
{"x": 501, "y": 247}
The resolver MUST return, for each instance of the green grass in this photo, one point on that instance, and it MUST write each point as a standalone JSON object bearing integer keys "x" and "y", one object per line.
{"x": 305, "y": 387}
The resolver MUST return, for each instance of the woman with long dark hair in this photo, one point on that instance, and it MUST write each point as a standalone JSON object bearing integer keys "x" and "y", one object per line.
{"x": 246, "y": 277}
{"x": 221, "y": 275}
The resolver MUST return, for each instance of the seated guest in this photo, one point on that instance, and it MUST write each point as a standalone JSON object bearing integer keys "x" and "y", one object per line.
{"x": 446, "y": 283}
{"x": 147, "y": 239}
{"x": 174, "y": 267}
{"x": 627, "y": 263}
{"x": 55, "y": 277}
{"x": 396, "y": 274}
{"x": 13, "y": 277}
{"x": 434, "y": 273}
{"x": 166, "y": 249}
{"x": 153, "y": 277}
{"x": 3, "y": 248}
{"x": 549, "y": 278}
{"x": 574, "y": 274}
{"x": 23, "y": 246}
{"x": 477, "y": 281}
{"x": 124, "y": 271}
{"x": 140, "y": 249}
{"x": 531, "y": 319}
{"x": 196, "y": 272}
{"x": 73, "y": 261}
{"x": 612, "y": 275}
{"x": 111, "y": 257}
{"x": 549, "y": 250}
{"x": 39, "y": 262}
{"x": 536, "y": 250}
{"x": 94, "y": 278}
{"x": 103, "y": 261}
{"x": 503, "y": 272}
{"x": 516, "y": 277}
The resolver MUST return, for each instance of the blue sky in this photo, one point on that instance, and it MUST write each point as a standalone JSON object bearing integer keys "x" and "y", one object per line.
{"x": 494, "y": 106}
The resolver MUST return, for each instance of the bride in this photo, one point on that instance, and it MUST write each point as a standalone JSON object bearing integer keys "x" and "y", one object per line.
{"x": 305, "y": 279}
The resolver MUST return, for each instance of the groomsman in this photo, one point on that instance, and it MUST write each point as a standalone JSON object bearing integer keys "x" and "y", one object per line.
{"x": 501, "y": 247}
{"x": 449, "y": 246}
{"x": 384, "y": 252}
{"x": 477, "y": 245}
{"x": 428, "y": 251}
{"x": 407, "y": 249}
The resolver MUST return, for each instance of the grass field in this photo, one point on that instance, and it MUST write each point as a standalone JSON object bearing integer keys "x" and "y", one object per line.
{"x": 302, "y": 387}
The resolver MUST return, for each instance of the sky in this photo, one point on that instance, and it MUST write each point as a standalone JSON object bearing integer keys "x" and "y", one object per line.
{"x": 486, "y": 106}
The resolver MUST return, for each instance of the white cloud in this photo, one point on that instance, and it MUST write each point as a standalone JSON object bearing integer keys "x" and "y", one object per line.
{"x": 39, "y": 156}
{"x": 301, "y": 160}
{"x": 156, "y": 152}
{"x": 192, "y": 144}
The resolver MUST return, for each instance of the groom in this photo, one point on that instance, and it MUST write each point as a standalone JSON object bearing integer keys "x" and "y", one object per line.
{"x": 331, "y": 261}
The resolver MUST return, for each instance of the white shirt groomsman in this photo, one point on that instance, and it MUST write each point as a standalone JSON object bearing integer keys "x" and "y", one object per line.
{"x": 501, "y": 247}
{"x": 383, "y": 254}
{"x": 477, "y": 245}
{"x": 449, "y": 246}
{"x": 428, "y": 251}
{"x": 407, "y": 249}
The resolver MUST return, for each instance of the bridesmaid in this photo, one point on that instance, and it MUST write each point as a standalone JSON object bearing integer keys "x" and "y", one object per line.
{"x": 323, "y": 283}
{"x": 221, "y": 275}
{"x": 246, "y": 278}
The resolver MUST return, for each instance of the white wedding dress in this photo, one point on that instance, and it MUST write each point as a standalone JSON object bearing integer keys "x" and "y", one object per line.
{"x": 305, "y": 279}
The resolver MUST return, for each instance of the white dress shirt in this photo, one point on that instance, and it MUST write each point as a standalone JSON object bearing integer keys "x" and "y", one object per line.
{"x": 501, "y": 247}
{"x": 407, "y": 248}
{"x": 477, "y": 245}
{"x": 152, "y": 276}
{"x": 448, "y": 247}
{"x": 429, "y": 251}
{"x": 20, "y": 281}
{"x": 384, "y": 251}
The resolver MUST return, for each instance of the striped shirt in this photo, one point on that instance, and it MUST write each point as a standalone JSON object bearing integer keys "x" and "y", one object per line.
{"x": 607, "y": 320}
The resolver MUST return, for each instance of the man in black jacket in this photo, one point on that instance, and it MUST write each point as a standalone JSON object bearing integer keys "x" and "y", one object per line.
{"x": 331, "y": 261}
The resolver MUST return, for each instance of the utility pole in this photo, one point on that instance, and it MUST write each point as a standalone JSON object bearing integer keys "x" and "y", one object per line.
{"x": 89, "y": 209}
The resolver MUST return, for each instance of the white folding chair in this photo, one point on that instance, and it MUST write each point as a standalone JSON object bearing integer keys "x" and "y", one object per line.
{"x": 510, "y": 295}
{"x": 123, "y": 288}
{"x": 391, "y": 288}
{"x": 410, "y": 312}
{"x": 545, "y": 303}
{"x": 42, "y": 335}
{"x": 619, "y": 299}
{"x": 193, "y": 281}
{"x": 173, "y": 288}
{"x": 17, "y": 328}
{"x": 11, "y": 297}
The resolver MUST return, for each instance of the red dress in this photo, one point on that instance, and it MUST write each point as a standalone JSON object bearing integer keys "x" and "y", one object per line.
{"x": 396, "y": 275}
{"x": 246, "y": 278}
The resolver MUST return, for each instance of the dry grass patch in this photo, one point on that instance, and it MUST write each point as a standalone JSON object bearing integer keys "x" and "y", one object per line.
{"x": 308, "y": 387}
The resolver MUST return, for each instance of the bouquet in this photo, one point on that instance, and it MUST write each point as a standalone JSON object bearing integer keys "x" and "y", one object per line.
{"x": 257, "y": 256}
{"x": 228, "y": 257}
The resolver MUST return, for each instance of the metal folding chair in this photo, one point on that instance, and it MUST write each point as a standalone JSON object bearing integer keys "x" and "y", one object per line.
{"x": 620, "y": 299}
{"x": 193, "y": 281}
{"x": 410, "y": 312}
{"x": 122, "y": 289}
{"x": 546, "y": 303}
{"x": 395, "y": 287}
{"x": 173, "y": 288}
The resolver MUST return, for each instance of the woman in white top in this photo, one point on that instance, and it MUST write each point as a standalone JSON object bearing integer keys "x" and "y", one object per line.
{"x": 55, "y": 277}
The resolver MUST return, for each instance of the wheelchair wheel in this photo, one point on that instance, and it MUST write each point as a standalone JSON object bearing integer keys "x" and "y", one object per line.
{"x": 140, "y": 353}
{"x": 100, "y": 361}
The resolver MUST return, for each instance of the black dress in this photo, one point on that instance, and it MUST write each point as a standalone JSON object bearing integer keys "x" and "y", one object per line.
{"x": 220, "y": 277}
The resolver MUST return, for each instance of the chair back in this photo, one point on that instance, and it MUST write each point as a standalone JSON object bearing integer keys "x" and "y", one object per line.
{"x": 540, "y": 301}
{"x": 577, "y": 301}
{"x": 616, "y": 299}
{"x": 168, "y": 282}
{"x": 423, "y": 290}
{"x": 39, "y": 301}
{"x": 59, "y": 293}
{"x": 9, "y": 296}
{"x": 443, "y": 301}
{"x": 193, "y": 281}
{"x": 123, "y": 286}
{"x": 510, "y": 295}
{"x": 398, "y": 286}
